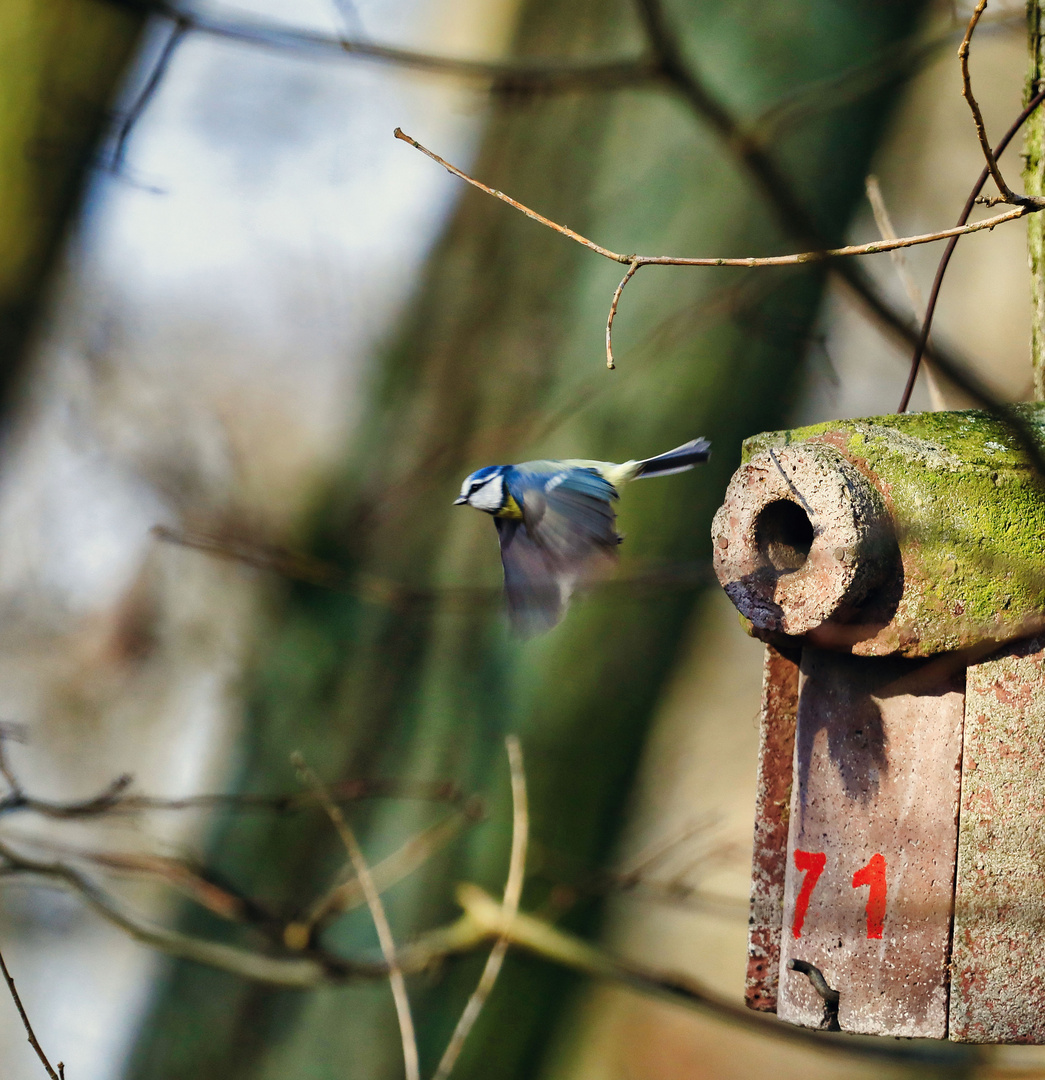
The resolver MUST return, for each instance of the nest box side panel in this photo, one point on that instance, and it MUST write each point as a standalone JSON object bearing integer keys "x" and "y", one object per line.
{"x": 872, "y": 842}
{"x": 998, "y": 963}
{"x": 776, "y": 749}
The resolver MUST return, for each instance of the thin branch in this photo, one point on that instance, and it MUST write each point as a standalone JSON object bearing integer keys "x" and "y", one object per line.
{"x": 179, "y": 28}
{"x": 114, "y": 800}
{"x": 540, "y": 218}
{"x": 483, "y": 919}
{"x": 914, "y": 294}
{"x": 292, "y": 972}
{"x": 396, "y": 594}
{"x": 794, "y": 217}
{"x": 348, "y": 893}
{"x": 746, "y": 262}
{"x": 510, "y": 906}
{"x": 613, "y": 312}
{"x": 890, "y": 66}
{"x": 31, "y": 1035}
{"x": 411, "y": 1061}
{"x": 858, "y": 283}
{"x": 977, "y": 117}
{"x": 546, "y": 75}
{"x": 888, "y": 232}
{"x": 486, "y": 915}
{"x": 178, "y": 874}
{"x": 921, "y": 345}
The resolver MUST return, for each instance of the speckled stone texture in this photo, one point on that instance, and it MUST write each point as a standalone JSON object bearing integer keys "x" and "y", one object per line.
{"x": 877, "y": 758}
{"x": 772, "y": 809}
{"x": 794, "y": 587}
{"x": 998, "y": 962}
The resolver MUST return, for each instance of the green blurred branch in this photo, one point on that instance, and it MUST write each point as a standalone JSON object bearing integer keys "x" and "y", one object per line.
{"x": 61, "y": 62}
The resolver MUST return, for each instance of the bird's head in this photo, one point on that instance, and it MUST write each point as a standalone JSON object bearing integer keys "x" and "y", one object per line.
{"x": 485, "y": 490}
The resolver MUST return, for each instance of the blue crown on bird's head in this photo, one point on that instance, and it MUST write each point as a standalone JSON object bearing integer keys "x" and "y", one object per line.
{"x": 478, "y": 481}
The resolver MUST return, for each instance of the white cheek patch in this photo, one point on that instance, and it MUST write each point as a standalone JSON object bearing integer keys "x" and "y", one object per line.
{"x": 490, "y": 496}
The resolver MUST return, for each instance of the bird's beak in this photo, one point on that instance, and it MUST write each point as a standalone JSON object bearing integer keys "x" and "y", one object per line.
{"x": 460, "y": 500}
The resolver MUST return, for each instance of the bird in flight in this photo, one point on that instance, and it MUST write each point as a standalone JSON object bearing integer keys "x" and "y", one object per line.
{"x": 556, "y": 524}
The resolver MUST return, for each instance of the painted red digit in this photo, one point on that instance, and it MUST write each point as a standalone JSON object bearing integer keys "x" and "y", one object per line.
{"x": 812, "y": 864}
{"x": 873, "y": 874}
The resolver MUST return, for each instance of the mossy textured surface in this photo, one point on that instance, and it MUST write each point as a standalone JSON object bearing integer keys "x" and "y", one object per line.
{"x": 1034, "y": 184}
{"x": 969, "y": 514}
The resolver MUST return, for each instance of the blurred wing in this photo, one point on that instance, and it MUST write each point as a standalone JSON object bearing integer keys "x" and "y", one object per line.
{"x": 532, "y": 583}
{"x": 571, "y": 516}
{"x": 567, "y": 537}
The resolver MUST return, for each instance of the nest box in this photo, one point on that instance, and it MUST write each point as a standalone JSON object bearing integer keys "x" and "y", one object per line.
{"x": 895, "y": 567}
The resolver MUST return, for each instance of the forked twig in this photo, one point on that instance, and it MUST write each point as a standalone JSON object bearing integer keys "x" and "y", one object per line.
{"x": 934, "y": 293}
{"x": 512, "y": 896}
{"x": 613, "y": 313}
{"x": 347, "y": 892}
{"x": 34, "y": 1042}
{"x": 967, "y": 381}
{"x": 1008, "y": 195}
{"x": 411, "y": 1062}
{"x": 749, "y": 262}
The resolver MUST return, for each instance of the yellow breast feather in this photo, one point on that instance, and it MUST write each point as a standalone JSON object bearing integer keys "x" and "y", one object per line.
{"x": 511, "y": 509}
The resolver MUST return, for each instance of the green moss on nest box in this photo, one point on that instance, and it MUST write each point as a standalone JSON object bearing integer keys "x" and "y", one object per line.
{"x": 968, "y": 510}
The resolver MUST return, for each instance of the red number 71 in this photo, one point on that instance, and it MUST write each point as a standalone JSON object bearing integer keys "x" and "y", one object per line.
{"x": 812, "y": 863}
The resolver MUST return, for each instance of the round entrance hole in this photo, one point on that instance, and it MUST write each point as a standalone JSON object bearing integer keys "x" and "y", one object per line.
{"x": 784, "y": 535}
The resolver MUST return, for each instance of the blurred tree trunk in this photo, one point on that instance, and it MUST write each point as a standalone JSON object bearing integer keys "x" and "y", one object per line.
{"x": 61, "y": 62}
{"x": 1034, "y": 181}
{"x": 500, "y": 360}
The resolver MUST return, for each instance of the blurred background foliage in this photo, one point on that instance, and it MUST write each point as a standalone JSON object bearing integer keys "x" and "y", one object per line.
{"x": 307, "y": 421}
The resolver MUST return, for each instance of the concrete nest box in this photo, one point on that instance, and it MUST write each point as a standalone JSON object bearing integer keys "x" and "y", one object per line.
{"x": 895, "y": 567}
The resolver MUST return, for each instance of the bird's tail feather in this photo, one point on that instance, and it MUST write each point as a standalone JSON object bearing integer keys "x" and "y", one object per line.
{"x": 674, "y": 461}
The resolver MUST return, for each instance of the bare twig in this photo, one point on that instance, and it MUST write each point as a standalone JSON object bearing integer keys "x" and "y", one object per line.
{"x": 793, "y": 216}
{"x": 292, "y": 972}
{"x": 30, "y": 1034}
{"x": 613, "y": 313}
{"x": 377, "y": 911}
{"x": 921, "y": 345}
{"x": 549, "y": 76}
{"x": 179, "y": 28}
{"x": 914, "y": 294}
{"x": 888, "y": 232}
{"x": 748, "y": 262}
{"x": 387, "y": 592}
{"x": 866, "y": 291}
{"x": 348, "y": 893}
{"x": 113, "y": 799}
{"x": 512, "y": 896}
{"x": 892, "y": 65}
{"x": 981, "y": 132}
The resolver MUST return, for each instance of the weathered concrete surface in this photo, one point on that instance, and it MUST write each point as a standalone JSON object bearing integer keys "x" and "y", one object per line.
{"x": 998, "y": 963}
{"x": 969, "y": 520}
{"x": 874, "y": 809}
{"x": 776, "y": 752}
{"x": 801, "y": 537}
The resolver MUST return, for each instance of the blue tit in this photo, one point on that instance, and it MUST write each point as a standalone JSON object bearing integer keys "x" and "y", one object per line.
{"x": 556, "y": 524}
